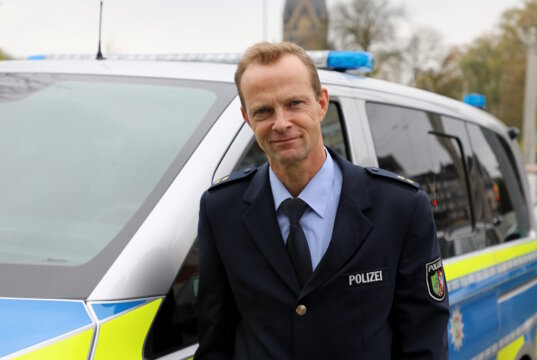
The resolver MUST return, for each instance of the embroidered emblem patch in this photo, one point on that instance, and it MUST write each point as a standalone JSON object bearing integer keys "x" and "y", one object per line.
{"x": 436, "y": 283}
{"x": 456, "y": 328}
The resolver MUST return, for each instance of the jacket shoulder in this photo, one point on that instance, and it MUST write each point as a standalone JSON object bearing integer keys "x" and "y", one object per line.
{"x": 234, "y": 177}
{"x": 392, "y": 177}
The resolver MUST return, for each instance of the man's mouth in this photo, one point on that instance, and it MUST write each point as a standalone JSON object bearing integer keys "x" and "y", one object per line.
{"x": 285, "y": 140}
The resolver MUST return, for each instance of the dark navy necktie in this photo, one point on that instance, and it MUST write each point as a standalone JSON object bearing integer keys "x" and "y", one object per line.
{"x": 297, "y": 245}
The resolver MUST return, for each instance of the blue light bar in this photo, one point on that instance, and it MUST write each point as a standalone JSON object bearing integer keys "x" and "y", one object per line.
{"x": 36, "y": 57}
{"x": 350, "y": 60}
{"x": 477, "y": 100}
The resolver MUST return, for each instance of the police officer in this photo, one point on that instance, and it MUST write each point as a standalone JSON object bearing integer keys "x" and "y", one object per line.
{"x": 310, "y": 256}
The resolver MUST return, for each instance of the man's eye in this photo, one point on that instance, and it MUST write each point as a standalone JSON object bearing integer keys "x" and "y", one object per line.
{"x": 295, "y": 102}
{"x": 261, "y": 112}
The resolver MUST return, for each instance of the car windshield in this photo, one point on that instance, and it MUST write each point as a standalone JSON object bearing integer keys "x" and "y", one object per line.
{"x": 81, "y": 154}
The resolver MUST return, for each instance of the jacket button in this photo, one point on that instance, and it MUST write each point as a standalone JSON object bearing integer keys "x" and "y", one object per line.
{"x": 301, "y": 310}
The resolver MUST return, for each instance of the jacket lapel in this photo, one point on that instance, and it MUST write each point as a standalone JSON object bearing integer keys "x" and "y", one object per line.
{"x": 261, "y": 222}
{"x": 351, "y": 226}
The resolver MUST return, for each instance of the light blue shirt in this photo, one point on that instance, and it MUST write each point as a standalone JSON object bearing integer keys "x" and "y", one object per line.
{"x": 322, "y": 195}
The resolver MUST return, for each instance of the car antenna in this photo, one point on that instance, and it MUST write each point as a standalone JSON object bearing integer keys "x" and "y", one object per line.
{"x": 99, "y": 53}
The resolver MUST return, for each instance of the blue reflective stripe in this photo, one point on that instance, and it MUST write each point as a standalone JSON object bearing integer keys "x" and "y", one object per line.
{"x": 24, "y": 323}
{"x": 105, "y": 310}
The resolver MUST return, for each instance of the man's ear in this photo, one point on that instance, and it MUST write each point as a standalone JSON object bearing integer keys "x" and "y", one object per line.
{"x": 245, "y": 116}
{"x": 324, "y": 101}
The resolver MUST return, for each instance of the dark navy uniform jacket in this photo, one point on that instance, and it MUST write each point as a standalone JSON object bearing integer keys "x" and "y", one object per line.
{"x": 367, "y": 299}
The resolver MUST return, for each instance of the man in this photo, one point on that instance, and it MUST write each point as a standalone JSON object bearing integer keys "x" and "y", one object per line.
{"x": 344, "y": 273}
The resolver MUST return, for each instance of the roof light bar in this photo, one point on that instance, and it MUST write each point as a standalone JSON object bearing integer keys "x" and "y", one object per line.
{"x": 477, "y": 100}
{"x": 360, "y": 61}
{"x": 222, "y": 58}
{"x": 351, "y": 60}
{"x": 36, "y": 57}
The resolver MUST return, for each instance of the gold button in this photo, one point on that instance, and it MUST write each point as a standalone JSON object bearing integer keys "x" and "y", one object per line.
{"x": 301, "y": 310}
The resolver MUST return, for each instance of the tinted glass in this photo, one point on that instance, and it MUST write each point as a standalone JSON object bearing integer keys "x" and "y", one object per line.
{"x": 333, "y": 131}
{"x": 176, "y": 324}
{"x": 84, "y": 159}
{"x": 432, "y": 151}
{"x": 504, "y": 208}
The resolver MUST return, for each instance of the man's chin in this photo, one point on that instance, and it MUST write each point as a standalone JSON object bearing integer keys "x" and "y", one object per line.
{"x": 287, "y": 157}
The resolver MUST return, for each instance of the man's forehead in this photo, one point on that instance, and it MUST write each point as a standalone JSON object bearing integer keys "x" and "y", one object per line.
{"x": 286, "y": 60}
{"x": 263, "y": 93}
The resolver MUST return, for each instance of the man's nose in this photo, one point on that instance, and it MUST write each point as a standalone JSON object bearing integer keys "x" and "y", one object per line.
{"x": 281, "y": 121}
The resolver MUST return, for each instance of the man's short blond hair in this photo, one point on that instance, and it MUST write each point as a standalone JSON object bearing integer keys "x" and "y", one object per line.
{"x": 266, "y": 53}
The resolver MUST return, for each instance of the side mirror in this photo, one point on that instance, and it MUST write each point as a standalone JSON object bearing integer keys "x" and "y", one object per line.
{"x": 513, "y": 132}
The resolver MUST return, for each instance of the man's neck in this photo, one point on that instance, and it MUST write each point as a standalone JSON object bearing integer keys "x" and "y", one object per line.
{"x": 296, "y": 176}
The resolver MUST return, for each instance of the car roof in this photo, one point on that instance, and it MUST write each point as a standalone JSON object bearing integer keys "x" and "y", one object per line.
{"x": 159, "y": 69}
{"x": 209, "y": 71}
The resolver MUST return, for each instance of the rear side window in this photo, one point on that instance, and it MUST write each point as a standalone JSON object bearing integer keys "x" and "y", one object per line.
{"x": 504, "y": 210}
{"x": 434, "y": 152}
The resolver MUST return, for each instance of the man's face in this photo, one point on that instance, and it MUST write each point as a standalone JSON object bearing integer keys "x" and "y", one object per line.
{"x": 283, "y": 111}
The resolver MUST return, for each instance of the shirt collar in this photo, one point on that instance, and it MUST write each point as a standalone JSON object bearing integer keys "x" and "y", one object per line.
{"x": 316, "y": 193}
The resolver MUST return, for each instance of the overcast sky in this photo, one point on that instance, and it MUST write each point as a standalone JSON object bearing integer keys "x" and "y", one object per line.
{"x": 178, "y": 26}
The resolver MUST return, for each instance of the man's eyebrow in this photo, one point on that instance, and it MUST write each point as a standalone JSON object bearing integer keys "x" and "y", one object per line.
{"x": 295, "y": 95}
{"x": 258, "y": 105}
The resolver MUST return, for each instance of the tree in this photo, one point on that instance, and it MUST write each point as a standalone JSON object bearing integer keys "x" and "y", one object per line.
{"x": 370, "y": 25}
{"x": 422, "y": 52}
{"x": 495, "y": 65}
{"x": 447, "y": 79}
{"x": 4, "y": 56}
{"x": 513, "y": 25}
{"x": 365, "y": 24}
{"x": 481, "y": 66}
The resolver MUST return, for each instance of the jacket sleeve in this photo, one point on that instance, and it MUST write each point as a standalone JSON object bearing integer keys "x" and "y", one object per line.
{"x": 217, "y": 313}
{"x": 420, "y": 315}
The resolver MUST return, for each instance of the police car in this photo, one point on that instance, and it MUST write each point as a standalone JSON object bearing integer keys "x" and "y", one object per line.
{"x": 104, "y": 162}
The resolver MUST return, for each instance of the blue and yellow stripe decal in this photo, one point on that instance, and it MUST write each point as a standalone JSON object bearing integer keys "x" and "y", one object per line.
{"x": 492, "y": 295}
{"x": 58, "y": 329}
{"x": 122, "y": 327}
{"x": 44, "y": 329}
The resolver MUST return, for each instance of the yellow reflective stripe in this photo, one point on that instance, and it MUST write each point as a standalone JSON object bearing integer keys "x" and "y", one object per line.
{"x": 469, "y": 265}
{"x": 510, "y": 351}
{"x": 74, "y": 347}
{"x": 479, "y": 262}
{"x": 515, "y": 251}
{"x": 123, "y": 337}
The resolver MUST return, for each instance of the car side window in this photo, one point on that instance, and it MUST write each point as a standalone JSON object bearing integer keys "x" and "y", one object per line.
{"x": 333, "y": 130}
{"x": 504, "y": 207}
{"x": 176, "y": 324}
{"x": 333, "y": 135}
{"x": 433, "y": 151}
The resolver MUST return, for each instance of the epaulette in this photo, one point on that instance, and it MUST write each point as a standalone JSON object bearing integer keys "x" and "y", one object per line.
{"x": 393, "y": 176}
{"x": 234, "y": 176}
